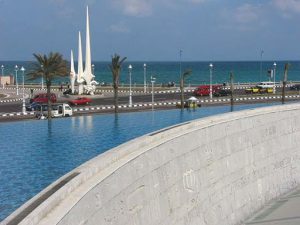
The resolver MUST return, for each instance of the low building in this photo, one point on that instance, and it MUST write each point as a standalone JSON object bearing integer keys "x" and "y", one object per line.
{"x": 7, "y": 80}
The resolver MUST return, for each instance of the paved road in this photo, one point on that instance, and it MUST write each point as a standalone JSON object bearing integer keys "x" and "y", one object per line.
{"x": 123, "y": 99}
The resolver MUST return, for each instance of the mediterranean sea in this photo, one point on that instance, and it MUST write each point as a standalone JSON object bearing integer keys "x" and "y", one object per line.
{"x": 164, "y": 72}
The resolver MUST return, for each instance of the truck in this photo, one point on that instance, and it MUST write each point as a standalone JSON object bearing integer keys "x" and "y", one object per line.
{"x": 58, "y": 110}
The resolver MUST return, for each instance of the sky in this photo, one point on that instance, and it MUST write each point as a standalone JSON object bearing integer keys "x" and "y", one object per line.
{"x": 153, "y": 30}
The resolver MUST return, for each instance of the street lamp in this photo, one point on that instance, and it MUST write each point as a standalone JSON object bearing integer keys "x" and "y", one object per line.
{"x": 180, "y": 54}
{"x": 152, "y": 82}
{"x": 130, "y": 95}
{"x": 2, "y": 68}
{"x": 274, "y": 73}
{"x": 210, "y": 80}
{"x": 261, "y": 56}
{"x": 16, "y": 69}
{"x": 145, "y": 66}
{"x": 23, "y": 106}
{"x": 42, "y": 67}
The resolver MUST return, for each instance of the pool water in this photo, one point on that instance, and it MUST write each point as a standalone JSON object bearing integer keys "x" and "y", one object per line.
{"x": 35, "y": 153}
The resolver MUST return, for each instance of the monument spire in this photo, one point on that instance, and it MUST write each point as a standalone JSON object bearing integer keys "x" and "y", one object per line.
{"x": 88, "y": 62}
{"x": 72, "y": 73}
{"x": 80, "y": 66}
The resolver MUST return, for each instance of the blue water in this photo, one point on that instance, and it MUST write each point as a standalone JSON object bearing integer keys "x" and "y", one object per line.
{"x": 169, "y": 71}
{"x": 33, "y": 154}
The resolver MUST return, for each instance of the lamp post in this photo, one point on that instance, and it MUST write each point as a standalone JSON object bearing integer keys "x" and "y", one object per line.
{"x": 23, "y": 105}
{"x": 93, "y": 69}
{"x": 2, "y": 68}
{"x": 210, "y": 80}
{"x": 274, "y": 73}
{"x": 152, "y": 83}
{"x": 130, "y": 95}
{"x": 145, "y": 67}
{"x": 42, "y": 67}
{"x": 16, "y": 69}
{"x": 261, "y": 56}
{"x": 180, "y": 54}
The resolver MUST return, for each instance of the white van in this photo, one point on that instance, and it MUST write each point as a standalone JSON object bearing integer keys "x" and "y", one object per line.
{"x": 265, "y": 84}
{"x": 58, "y": 110}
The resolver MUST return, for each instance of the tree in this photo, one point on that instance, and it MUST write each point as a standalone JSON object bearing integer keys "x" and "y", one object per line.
{"x": 115, "y": 68}
{"x": 49, "y": 66}
{"x": 285, "y": 75}
{"x": 182, "y": 79}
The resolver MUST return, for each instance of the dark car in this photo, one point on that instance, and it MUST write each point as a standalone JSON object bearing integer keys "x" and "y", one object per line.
{"x": 222, "y": 93}
{"x": 33, "y": 106}
{"x": 67, "y": 92}
{"x": 295, "y": 87}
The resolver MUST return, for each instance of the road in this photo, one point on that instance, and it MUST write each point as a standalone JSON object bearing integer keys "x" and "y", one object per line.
{"x": 136, "y": 98}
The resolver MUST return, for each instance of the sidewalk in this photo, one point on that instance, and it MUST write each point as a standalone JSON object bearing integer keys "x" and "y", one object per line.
{"x": 283, "y": 211}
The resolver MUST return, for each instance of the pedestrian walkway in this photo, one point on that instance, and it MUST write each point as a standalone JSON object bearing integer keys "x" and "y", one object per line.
{"x": 283, "y": 211}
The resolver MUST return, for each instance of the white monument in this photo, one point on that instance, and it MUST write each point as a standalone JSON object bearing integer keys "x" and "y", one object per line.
{"x": 84, "y": 78}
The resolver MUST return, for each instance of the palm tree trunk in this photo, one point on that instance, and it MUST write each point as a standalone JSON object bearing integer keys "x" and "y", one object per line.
{"x": 116, "y": 99}
{"x": 49, "y": 101}
{"x": 182, "y": 92}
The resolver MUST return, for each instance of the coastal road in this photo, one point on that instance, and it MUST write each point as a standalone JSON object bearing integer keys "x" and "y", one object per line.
{"x": 140, "y": 98}
{"x": 17, "y": 106}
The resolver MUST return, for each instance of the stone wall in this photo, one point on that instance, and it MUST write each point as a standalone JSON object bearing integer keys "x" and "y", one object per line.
{"x": 217, "y": 170}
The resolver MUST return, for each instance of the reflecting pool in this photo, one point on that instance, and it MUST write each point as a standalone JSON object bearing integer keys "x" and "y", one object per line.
{"x": 35, "y": 153}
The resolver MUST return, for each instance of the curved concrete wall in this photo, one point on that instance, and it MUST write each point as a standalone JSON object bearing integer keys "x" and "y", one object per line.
{"x": 217, "y": 170}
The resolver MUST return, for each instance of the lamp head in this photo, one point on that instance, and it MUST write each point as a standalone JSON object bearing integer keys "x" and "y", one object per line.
{"x": 130, "y": 67}
{"x": 211, "y": 65}
{"x": 145, "y": 64}
{"x": 274, "y": 64}
{"x": 22, "y": 69}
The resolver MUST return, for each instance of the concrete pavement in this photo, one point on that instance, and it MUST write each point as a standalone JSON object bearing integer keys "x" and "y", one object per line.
{"x": 282, "y": 211}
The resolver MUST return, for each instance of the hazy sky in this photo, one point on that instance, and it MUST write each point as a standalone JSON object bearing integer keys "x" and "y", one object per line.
{"x": 145, "y": 30}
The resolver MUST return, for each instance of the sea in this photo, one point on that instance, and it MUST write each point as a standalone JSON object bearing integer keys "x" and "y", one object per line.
{"x": 164, "y": 72}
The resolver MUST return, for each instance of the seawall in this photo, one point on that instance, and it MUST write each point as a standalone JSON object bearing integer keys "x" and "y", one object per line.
{"x": 217, "y": 170}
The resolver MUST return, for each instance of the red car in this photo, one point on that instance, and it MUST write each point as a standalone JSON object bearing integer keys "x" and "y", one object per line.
{"x": 80, "y": 101}
{"x": 203, "y": 90}
{"x": 42, "y": 98}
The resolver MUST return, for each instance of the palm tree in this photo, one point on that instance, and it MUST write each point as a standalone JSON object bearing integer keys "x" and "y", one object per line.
{"x": 115, "y": 68}
{"x": 286, "y": 69}
{"x": 49, "y": 66}
{"x": 182, "y": 79}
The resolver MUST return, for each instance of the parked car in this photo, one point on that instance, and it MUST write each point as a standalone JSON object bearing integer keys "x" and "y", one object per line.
{"x": 258, "y": 90}
{"x": 265, "y": 84}
{"x": 295, "y": 87}
{"x": 203, "y": 90}
{"x": 68, "y": 91}
{"x": 42, "y": 98}
{"x": 33, "y": 106}
{"x": 222, "y": 93}
{"x": 80, "y": 101}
